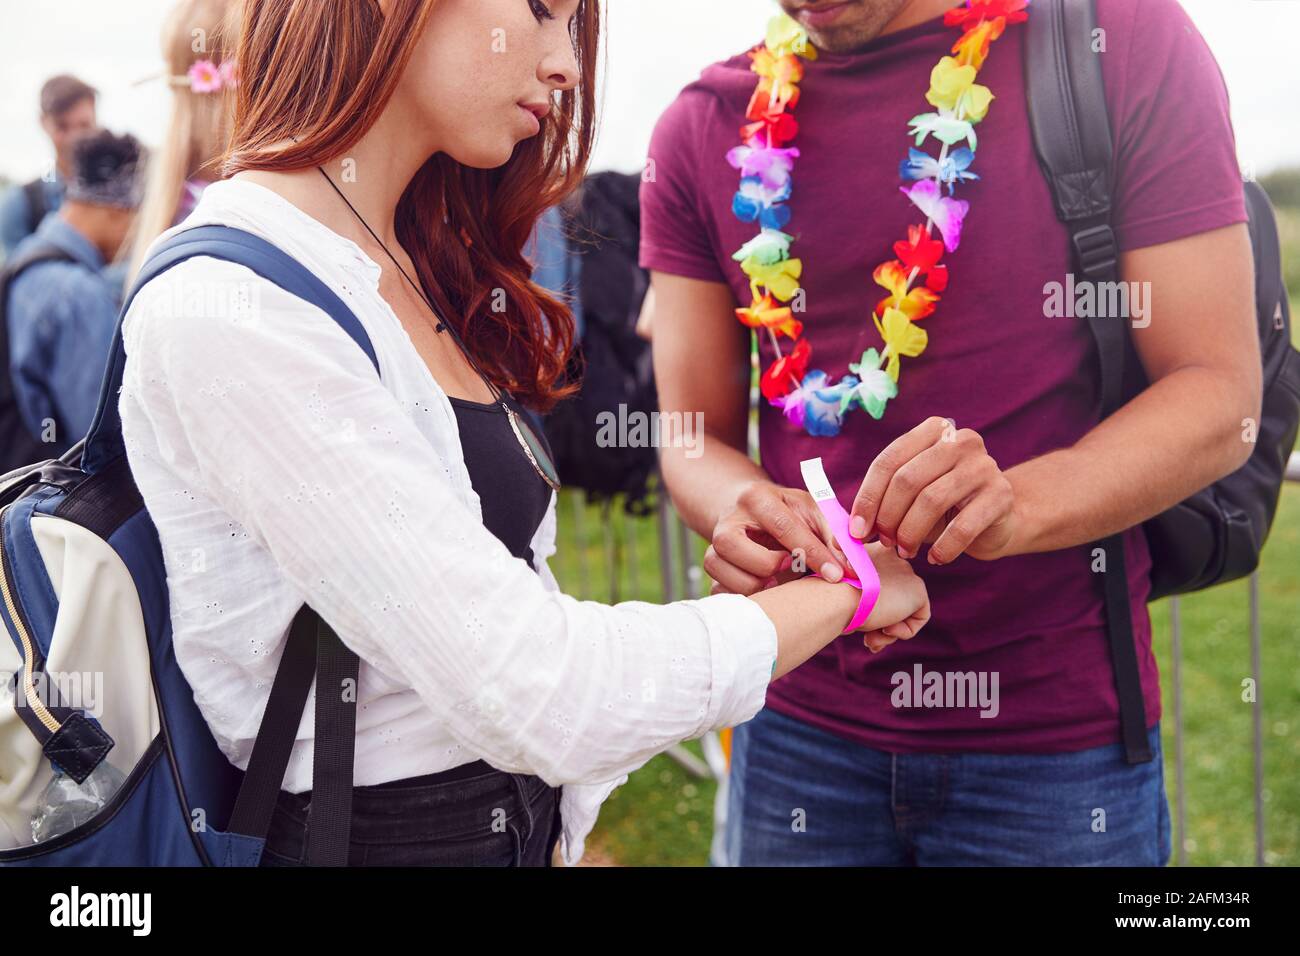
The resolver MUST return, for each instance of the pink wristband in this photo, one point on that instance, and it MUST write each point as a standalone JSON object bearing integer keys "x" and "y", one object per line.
{"x": 814, "y": 478}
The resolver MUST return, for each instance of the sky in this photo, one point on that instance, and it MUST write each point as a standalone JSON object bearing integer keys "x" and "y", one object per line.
{"x": 654, "y": 48}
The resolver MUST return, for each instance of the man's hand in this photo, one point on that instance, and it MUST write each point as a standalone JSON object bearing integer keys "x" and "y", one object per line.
{"x": 936, "y": 483}
{"x": 754, "y": 541}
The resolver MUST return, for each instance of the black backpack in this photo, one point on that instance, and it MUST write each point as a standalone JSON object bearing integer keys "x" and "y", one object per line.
{"x": 18, "y": 446}
{"x": 613, "y": 362}
{"x": 1217, "y": 534}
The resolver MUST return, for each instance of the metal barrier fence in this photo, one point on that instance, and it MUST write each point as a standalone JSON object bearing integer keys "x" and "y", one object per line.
{"x": 681, "y": 577}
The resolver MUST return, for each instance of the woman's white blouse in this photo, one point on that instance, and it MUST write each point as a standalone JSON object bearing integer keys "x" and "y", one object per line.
{"x": 280, "y": 469}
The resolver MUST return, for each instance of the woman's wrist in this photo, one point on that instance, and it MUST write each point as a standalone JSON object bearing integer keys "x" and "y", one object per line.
{"x": 808, "y": 613}
{"x": 852, "y": 596}
{"x": 848, "y": 592}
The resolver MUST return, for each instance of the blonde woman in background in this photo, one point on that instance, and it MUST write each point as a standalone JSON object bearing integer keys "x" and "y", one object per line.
{"x": 196, "y": 137}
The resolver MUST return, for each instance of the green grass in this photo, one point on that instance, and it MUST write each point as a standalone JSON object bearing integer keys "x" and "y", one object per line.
{"x": 661, "y": 817}
{"x": 1217, "y": 722}
{"x": 1288, "y": 227}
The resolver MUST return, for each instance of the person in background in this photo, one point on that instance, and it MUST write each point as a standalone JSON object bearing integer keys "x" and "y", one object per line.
{"x": 183, "y": 165}
{"x": 59, "y": 309}
{"x": 67, "y": 112}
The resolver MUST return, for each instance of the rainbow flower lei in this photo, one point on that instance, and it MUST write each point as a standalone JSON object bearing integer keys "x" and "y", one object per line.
{"x": 766, "y": 163}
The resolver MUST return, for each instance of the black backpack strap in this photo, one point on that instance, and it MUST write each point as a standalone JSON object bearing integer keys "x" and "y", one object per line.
{"x": 36, "y": 206}
{"x": 1070, "y": 121}
{"x": 1123, "y": 653}
{"x": 37, "y": 251}
{"x": 312, "y": 650}
{"x": 329, "y": 824}
{"x": 275, "y": 737}
{"x": 1068, "y": 116}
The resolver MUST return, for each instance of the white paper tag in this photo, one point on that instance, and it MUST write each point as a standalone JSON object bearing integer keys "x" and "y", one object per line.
{"x": 815, "y": 480}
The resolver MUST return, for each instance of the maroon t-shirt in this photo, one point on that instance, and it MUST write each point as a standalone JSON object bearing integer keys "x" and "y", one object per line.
{"x": 1027, "y": 383}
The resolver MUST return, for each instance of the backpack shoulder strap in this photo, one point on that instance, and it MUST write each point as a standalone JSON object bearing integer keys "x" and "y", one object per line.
{"x": 37, "y": 252}
{"x": 104, "y": 442}
{"x": 36, "y": 207}
{"x": 1070, "y": 122}
{"x": 40, "y": 250}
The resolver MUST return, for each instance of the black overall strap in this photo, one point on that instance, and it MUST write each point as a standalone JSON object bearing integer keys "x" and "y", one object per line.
{"x": 1071, "y": 128}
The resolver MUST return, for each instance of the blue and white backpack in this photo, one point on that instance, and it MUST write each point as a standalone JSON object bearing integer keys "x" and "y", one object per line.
{"x": 85, "y": 608}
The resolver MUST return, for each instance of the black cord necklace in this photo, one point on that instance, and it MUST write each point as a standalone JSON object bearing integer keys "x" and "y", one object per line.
{"x": 442, "y": 326}
{"x": 523, "y": 433}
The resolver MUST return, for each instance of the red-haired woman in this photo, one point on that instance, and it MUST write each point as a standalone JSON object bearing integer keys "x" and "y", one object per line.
{"x": 402, "y": 150}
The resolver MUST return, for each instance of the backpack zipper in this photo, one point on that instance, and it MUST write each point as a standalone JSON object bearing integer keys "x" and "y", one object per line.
{"x": 29, "y": 652}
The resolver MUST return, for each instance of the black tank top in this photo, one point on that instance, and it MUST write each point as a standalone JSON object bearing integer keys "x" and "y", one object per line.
{"x": 513, "y": 495}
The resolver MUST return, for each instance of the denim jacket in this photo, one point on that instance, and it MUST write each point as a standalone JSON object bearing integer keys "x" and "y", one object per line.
{"x": 61, "y": 318}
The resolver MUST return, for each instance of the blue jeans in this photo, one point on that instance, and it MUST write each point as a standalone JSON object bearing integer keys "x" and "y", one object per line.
{"x": 798, "y": 796}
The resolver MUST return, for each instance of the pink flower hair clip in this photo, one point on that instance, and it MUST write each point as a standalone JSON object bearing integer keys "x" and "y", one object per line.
{"x": 204, "y": 76}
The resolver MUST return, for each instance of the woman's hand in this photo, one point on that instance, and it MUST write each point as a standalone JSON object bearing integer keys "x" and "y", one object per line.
{"x": 903, "y": 607}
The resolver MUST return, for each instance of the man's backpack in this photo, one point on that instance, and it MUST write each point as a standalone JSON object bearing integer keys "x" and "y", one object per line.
{"x": 18, "y": 446}
{"x": 85, "y": 609}
{"x": 1217, "y": 534}
{"x": 615, "y": 364}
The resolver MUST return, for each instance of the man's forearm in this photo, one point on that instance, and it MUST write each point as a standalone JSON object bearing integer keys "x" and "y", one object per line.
{"x": 705, "y": 487}
{"x": 1180, "y": 435}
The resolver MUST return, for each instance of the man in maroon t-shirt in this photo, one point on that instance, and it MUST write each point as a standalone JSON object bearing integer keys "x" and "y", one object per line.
{"x": 853, "y": 761}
